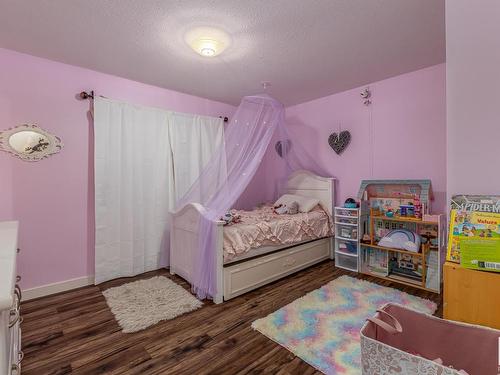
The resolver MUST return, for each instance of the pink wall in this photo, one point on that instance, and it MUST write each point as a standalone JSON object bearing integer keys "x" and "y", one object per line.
{"x": 473, "y": 99}
{"x": 408, "y": 141}
{"x": 5, "y": 188}
{"x": 53, "y": 199}
{"x": 5, "y": 163}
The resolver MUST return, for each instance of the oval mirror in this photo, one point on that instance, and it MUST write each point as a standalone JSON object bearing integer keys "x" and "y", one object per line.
{"x": 29, "y": 142}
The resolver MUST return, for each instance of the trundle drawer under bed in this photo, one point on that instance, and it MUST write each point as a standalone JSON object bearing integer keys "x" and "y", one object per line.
{"x": 245, "y": 276}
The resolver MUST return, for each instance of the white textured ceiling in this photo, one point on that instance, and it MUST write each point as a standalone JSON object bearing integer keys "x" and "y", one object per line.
{"x": 305, "y": 48}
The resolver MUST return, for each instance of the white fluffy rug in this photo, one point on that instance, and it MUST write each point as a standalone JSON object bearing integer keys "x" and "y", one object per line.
{"x": 140, "y": 304}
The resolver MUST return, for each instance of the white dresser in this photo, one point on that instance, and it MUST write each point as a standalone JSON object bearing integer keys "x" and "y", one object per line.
{"x": 10, "y": 299}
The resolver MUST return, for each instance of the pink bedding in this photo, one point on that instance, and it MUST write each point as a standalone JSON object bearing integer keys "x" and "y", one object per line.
{"x": 262, "y": 227}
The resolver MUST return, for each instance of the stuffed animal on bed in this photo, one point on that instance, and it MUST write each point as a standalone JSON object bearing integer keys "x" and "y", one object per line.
{"x": 290, "y": 209}
{"x": 230, "y": 218}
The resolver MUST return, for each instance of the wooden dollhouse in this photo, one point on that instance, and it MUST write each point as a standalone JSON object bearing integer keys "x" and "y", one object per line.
{"x": 402, "y": 242}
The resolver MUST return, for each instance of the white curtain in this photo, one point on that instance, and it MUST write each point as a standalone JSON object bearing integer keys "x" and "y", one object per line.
{"x": 138, "y": 153}
{"x": 193, "y": 140}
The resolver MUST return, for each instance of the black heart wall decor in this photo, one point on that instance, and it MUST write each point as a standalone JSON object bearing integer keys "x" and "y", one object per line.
{"x": 279, "y": 147}
{"x": 339, "y": 142}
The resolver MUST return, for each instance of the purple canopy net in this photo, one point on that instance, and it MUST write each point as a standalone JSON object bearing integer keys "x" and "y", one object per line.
{"x": 259, "y": 123}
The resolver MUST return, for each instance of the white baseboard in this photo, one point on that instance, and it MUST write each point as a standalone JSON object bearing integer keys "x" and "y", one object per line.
{"x": 61, "y": 286}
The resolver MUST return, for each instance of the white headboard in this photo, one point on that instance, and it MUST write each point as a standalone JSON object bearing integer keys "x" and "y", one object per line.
{"x": 308, "y": 184}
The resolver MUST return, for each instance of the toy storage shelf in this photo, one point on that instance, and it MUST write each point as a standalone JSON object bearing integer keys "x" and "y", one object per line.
{"x": 428, "y": 259}
{"x": 347, "y": 229}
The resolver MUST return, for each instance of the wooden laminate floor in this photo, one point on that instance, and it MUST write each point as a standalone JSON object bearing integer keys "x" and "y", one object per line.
{"x": 75, "y": 332}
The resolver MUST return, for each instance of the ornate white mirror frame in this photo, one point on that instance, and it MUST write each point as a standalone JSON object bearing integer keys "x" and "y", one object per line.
{"x": 29, "y": 142}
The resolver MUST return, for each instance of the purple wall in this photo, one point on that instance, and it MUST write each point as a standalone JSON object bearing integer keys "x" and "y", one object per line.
{"x": 53, "y": 199}
{"x": 407, "y": 138}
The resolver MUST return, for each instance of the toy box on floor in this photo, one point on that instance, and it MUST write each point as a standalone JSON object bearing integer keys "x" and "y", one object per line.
{"x": 400, "y": 340}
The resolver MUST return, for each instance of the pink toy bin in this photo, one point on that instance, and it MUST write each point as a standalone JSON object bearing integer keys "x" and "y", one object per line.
{"x": 398, "y": 340}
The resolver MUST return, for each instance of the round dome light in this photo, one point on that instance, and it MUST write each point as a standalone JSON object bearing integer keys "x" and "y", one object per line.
{"x": 205, "y": 47}
{"x": 207, "y": 42}
{"x": 207, "y": 51}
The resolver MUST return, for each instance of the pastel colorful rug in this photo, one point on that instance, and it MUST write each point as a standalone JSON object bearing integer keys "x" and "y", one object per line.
{"x": 323, "y": 327}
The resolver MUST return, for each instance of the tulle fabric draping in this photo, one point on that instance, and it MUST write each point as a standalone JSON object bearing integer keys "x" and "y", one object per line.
{"x": 258, "y": 123}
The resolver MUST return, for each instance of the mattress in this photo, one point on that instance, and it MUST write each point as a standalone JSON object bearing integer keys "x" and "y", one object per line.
{"x": 262, "y": 227}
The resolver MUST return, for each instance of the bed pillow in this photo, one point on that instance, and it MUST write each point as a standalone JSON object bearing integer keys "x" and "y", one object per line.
{"x": 306, "y": 204}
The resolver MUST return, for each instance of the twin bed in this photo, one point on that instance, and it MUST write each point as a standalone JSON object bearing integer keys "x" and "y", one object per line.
{"x": 265, "y": 246}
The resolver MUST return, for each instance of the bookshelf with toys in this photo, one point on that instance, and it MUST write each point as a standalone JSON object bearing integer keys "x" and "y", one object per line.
{"x": 403, "y": 243}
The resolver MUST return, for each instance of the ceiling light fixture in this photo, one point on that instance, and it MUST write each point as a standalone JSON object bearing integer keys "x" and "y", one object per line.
{"x": 206, "y": 47}
{"x": 207, "y": 42}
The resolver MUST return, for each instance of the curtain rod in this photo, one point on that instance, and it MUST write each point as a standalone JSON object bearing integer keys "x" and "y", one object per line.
{"x": 86, "y": 95}
{"x": 90, "y": 95}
